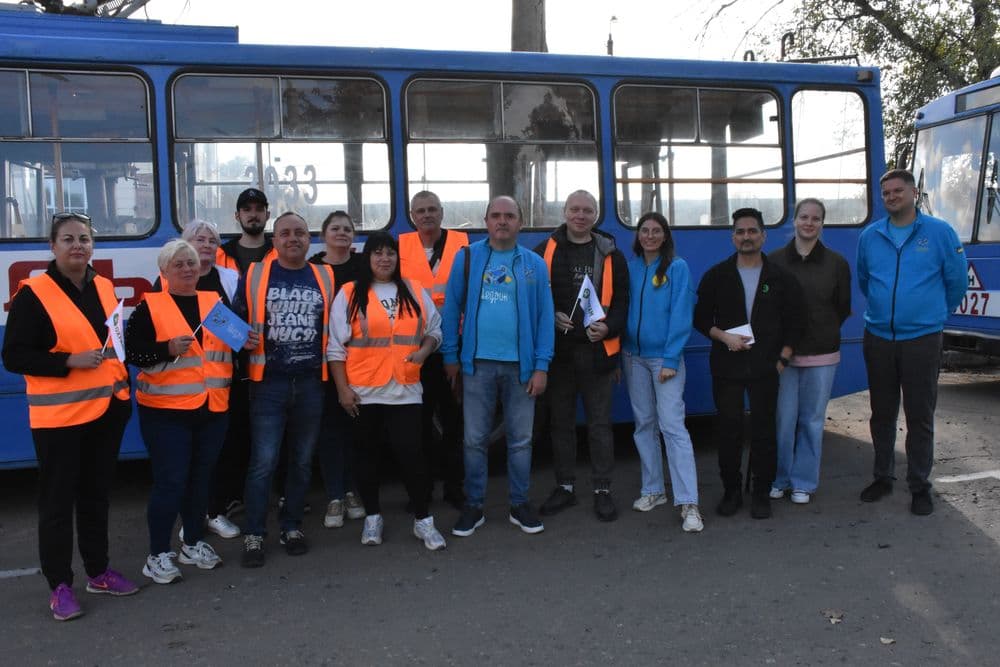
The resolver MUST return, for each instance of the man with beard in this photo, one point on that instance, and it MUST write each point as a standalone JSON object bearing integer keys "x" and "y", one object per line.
{"x": 252, "y": 245}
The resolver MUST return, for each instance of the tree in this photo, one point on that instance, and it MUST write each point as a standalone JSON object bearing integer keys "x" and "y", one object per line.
{"x": 924, "y": 48}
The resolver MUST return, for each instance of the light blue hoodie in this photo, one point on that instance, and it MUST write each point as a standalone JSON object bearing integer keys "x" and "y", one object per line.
{"x": 912, "y": 289}
{"x": 536, "y": 326}
{"x": 659, "y": 317}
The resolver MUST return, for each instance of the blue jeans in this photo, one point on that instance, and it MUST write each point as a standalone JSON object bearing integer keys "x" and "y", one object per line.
{"x": 661, "y": 404}
{"x": 280, "y": 406}
{"x": 492, "y": 380}
{"x": 802, "y": 397}
{"x": 183, "y": 447}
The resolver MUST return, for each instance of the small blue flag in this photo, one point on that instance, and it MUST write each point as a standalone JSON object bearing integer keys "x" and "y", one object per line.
{"x": 227, "y": 326}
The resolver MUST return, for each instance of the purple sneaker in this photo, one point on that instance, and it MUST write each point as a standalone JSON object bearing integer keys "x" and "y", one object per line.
{"x": 63, "y": 604}
{"x": 111, "y": 582}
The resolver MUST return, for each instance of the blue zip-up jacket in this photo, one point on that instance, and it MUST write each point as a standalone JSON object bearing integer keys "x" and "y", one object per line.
{"x": 659, "y": 318}
{"x": 910, "y": 290}
{"x": 536, "y": 324}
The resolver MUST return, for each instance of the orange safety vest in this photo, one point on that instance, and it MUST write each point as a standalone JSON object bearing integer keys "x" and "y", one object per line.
{"x": 377, "y": 350}
{"x": 222, "y": 259}
{"x": 611, "y": 345}
{"x": 205, "y": 369}
{"x": 85, "y": 394}
{"x": 257, "y": 278}
{"x": 413, "y": 262}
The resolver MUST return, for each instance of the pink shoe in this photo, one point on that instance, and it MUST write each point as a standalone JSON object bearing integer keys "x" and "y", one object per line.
{"x": 63, "y": 604}
{"x": 111, "y": 582}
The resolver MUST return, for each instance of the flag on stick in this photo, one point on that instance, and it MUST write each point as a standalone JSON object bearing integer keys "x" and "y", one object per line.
{"x": 591, "y": 305}
{"x": 116, "y": 330}
{"x": 227, "y": 326}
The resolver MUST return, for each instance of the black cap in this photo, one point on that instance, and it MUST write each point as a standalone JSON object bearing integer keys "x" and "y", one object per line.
{"x": 249, "y": 195}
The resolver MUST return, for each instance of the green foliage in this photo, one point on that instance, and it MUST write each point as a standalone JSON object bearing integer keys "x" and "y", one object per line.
{"x": 923, "y": 47}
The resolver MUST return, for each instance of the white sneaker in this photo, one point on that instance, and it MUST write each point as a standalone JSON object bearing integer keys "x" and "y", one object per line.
{"x": 776, "y": 493}
{"x": 423, "y": 529}
{"x": 334, "y": 517}
{"x": 648, "y": 502}
{"x": 201, "y": 554}
{"x": 222, "y": 526}
{"x": 161, "y": 568}
{"x": 355, "y": 510}
{"x": 692, "y": 519}
{"x": 372, "y": 532}
{"x": 800, "y": 497}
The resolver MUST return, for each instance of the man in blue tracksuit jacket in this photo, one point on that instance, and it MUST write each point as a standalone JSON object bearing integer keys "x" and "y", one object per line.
{"x": 498, "y": 322}
{"x": 913, "y": 273}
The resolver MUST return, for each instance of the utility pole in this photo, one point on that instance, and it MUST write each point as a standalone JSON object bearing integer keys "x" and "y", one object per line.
{"x": 527, "y": 26}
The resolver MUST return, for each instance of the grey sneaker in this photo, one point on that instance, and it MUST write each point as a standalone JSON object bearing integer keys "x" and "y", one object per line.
{"x": 647, "y": 502}
{"x": 692, "y": 519}
{"x": 201, "y": 555}
{"x": 423, "y": 529}
{"x": 371, "y": 534}
{"x": 334, "y": 517}
{"x": 355, "y": 510}
{"x": 161, "y": 569}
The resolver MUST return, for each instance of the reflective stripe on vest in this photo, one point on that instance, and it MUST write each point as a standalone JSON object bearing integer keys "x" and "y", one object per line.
{"x": 222, "y": 259}
{"x": 374, "y": 360}
{"x": 85, "y": 393}
{"x": 202, "y": 373}
{"x": 611, "y": 345}
{"x": 256, "y": 296}
{"x": 413, "y": 262}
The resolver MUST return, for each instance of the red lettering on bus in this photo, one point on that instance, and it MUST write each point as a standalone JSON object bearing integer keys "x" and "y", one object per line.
{"x": 19, "y": 271}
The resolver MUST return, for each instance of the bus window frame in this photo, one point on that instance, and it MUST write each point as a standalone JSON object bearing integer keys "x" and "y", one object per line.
{"x": 278, "y": 73}
{"x": 776, "y": 92}
{"x": 866, "y": 113}
{"x": 493, "y": 77}
{"x": 152, "y": 136}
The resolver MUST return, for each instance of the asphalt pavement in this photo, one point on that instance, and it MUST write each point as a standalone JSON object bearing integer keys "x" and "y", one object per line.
{"x": 836, "y": 581}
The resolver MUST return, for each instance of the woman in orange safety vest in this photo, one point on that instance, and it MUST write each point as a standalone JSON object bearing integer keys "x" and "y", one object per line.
{"x": 183, "y": 395}
{"x": 78, "y": 405}
{"x": 382, "y": 327}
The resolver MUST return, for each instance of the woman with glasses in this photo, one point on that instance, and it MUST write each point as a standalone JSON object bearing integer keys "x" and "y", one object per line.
{"x": 78, "y": 405}
{"x": 661, "y": 307}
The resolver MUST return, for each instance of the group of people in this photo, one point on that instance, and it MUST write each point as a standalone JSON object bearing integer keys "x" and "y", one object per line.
{"x": 416, "y": 340}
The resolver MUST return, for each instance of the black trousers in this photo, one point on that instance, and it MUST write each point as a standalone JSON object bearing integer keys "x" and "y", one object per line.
{"x": 763, "y": 395}
{"x": 909, "y": 367}
{"x": 231, "y": 468}
{"x": 76, "y": 467}
{"x": 401, "y": 424}
{"x": 445, "y": 455}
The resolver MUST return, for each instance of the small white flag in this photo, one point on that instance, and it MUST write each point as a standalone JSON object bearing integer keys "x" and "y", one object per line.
{"x": 591, "y": 305}
{"x": 116, "y": 330}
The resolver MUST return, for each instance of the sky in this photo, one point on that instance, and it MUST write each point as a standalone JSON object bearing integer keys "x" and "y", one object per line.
{"x": 643, "y": 28}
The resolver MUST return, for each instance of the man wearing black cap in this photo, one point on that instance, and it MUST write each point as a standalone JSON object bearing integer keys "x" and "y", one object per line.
{"x": 252, "y": 245}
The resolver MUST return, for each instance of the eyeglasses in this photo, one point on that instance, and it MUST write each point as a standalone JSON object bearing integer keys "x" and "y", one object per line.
{"x": 66, "y": 215}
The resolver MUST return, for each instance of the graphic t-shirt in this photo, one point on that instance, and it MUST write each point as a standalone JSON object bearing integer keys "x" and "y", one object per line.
{"x": 293, "y": 327}
{"x": 496, "y": 327}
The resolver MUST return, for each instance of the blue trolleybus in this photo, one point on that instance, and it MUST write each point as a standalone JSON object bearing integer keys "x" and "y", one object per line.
{"x": 955, "y": 163}
{"x": 145, "y": 127}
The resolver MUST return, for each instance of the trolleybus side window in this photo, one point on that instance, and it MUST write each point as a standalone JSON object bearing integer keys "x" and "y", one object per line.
{"x": 312, "y": 144}
{"x": 830, "y": 153}
{"x": 989, "y": 207}
{"x": 947, "y": 165}
{"x": 72, "y": 141}
{"x": 469, "y": 141}
{"x": 695, "y": 154}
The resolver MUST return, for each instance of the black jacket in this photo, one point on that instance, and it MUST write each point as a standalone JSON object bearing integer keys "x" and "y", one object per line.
{"x": 564, "y": 296}
{"x": 777, "y": 319}
{"x": 825, "y": 278}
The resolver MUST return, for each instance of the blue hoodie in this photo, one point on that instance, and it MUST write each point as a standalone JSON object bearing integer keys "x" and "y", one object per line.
{"x": 536, "y": 325}
{"x": 659, "y": 317}
{"x": 912, "y": 289}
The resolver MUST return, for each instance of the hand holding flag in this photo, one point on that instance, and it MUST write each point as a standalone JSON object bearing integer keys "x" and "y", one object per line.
{"x": 588, "y": 301}
{"x": 227, "y": 326}
{"x": 116, "y": 331}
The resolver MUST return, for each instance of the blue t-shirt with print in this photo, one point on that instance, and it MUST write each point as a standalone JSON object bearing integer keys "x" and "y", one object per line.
{"x": 496, "y": 330}
{"x": 293, "y": 328}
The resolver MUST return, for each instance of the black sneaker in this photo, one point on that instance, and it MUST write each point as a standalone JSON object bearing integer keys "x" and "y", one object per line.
{"x": 731, "y": 503}
{"x": 253, "y": 551}
{"x": 557, "y": 501}
{"x": 760, "y": 506}
{"x": 524, "y": 517}
{"x": 294, "y": 542}
{"x": 604, "y": 506}
{"x": 874, "y": 491}
{"x": 921, "y": 503}
{"x": 471, "y": 518}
